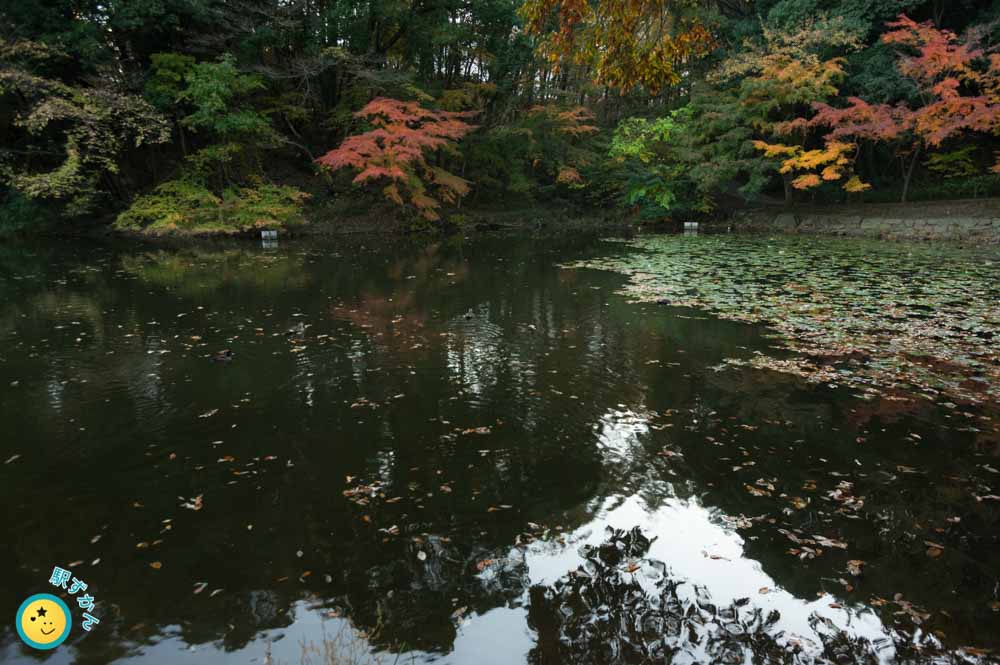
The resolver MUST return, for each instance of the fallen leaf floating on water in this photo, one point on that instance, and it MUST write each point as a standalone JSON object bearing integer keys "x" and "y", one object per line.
{"x": 844, "y": 583}
{"x": 934, "y": 551}
{"x": 12, "y": 458}
{"x": 477, "y": 430}
{"x": 855, "y": 566}
{"x": 798, "y": 502}
{"x": 156, "y": 565}
{"x": 829, "y": 542}
{"x": 906, "y": 607}
{"x": 193, "y": 504}
{"x": 209, "y": 414}
{"x": 199, "y": 587}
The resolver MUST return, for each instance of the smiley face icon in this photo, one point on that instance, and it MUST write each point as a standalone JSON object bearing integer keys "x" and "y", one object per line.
{"x": 43, "y": 621}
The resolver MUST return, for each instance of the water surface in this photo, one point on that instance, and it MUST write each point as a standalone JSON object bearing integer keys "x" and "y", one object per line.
{"x": 419, "y": 442}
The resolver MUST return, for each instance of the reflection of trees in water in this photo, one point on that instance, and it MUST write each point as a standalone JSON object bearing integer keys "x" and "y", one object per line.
{"x": 619, "y": 607}
{"x": 525, "y": 464}
{"x": 202, "y": 272}
{"x": 818, "y": 450}
{"x": 569, "y": 380}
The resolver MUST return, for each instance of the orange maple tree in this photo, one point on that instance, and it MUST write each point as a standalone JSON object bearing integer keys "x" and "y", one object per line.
{"x": 958, "y": 91}
{"x": 403, "y": 137}
{"x": 625, "y": 43}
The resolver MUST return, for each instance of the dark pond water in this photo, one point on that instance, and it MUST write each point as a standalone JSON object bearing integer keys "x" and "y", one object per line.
{"x": 414, "y": 451}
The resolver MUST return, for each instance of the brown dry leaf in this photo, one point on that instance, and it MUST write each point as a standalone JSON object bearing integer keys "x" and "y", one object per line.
{"x": 193, "y": 504}
{"x": 156, "y": 565}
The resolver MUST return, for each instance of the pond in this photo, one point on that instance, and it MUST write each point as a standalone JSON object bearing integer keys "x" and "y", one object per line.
{"x": 534, "y": 450}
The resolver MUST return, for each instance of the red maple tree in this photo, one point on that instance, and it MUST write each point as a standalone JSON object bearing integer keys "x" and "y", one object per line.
{"x": 403, "y": 138}
{"x": 958, "y": 90}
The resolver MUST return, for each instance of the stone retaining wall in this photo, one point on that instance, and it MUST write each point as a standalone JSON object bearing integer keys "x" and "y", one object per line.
{"x": 976, "y": 221}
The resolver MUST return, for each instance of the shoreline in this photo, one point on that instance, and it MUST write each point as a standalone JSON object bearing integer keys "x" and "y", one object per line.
{"x": 966, "y": 221}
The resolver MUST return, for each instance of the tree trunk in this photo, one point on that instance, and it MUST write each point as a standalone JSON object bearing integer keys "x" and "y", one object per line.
{"x": 184, "y": 145}
{"x": 909, "y": 173}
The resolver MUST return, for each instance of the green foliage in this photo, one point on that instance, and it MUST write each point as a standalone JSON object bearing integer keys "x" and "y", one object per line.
{"x": 167, "y": 74}
{"x": 861, "y": 17}
{"x": 955, "y": 164}
{"x": 67, "y": 141}
{"x": 558, "y": 143}
{"x": 215, "y": 90}
{"x": 654, "y": 172}
{"x": 187, "y": 207}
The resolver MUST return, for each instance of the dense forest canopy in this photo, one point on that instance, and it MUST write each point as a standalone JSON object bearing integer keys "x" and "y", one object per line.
{"x": 225, "y": 115}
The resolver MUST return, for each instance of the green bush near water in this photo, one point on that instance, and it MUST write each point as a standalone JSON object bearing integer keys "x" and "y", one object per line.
{"x": 184, "y": 207}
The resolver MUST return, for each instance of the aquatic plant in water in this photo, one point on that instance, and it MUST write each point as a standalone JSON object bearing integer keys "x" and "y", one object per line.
{"x": 883, "y": 318}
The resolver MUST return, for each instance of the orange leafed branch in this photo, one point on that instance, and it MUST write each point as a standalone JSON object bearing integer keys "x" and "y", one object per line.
{"x": 834, "y": 159}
